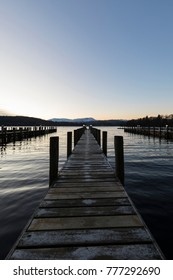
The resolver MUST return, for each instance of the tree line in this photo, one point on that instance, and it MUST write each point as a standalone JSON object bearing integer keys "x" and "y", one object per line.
{"x": 160, "y": 120}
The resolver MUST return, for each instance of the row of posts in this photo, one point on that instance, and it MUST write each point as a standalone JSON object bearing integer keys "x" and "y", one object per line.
{"x": 118, "y": 147}
{"x": 165, "y": 132}
{"x": 13, "y": 134}
{"x": 54, "y": 151}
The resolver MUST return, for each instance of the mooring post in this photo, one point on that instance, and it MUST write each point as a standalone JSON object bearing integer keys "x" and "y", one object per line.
{"x": 154, "y": 131}
{"x": 98, "y": 136}
{"x": 160, "y": 133}
{"x": 75, "y": 137}
{"x": 20, "y": 133}
{"x": 119, "y": 158}
{"x": 104, "y": 142}
{"x": 167, "y": 131}
{"x": 69, "y": 143}
{"x": 54, "y": 157}
{"x": 4, "y": 135}
{"x": 14, "y": 134}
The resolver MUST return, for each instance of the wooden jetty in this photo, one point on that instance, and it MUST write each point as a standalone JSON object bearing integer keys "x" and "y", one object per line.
{"x": 86, "y": 215}
{"x": 161, "y": 132}
{"x": 12, "y": 134}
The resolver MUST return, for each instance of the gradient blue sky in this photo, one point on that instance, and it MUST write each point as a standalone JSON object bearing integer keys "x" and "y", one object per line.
{"x": 86, "y": 58}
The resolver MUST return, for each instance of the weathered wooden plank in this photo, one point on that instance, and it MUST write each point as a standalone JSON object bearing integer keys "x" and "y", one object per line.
{"x": 84, "y": 237}
{"x": 84, "y": 189}
{"x": 78, "y": 180}
{"x": 84, "y": 211}
{"x": 71, "y": 195}
{"x": 84, "y": 183}
{"x": 109, "y": 252}
{"x": 88, "y": 186}
{"x": 85, "y": 202}
{"x": 87, "y": 177}
{"x": 83, "y": 167}
{"x": 92, "y": 173}
{"x": 85, "y": 222}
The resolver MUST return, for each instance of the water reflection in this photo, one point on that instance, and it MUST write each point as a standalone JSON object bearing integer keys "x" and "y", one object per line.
{"x": 24, "y": 173}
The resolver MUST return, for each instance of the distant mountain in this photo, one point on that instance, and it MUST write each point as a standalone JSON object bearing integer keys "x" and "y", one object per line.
{"x": 88, "y": 121}
{"x": 30, "y": 121}
{"x": 23, "y": 121}
{"x": 79, "y": 120}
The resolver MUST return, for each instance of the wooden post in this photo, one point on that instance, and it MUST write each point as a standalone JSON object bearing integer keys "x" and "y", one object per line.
{"x": 35, "y": 131}
{"x": 69, "y": 143}
{"x": 75, "y": 137}
{"x": 119, "y": 158}
{"x": 104, "y": 142}
{"x": 4, "y": 135}
{"x": 20, "y": 133}
{"x": 160, "y": 133}
{"x": 54, "y": 157}
{"x": 154, "y": 131}
{"x": 98, "y": 136}
{"x": 148, "y": 130}
{"x": 14, "y": 134}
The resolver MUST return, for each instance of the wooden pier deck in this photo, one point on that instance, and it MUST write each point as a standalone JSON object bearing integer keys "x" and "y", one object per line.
{"x": 86, "y": 214}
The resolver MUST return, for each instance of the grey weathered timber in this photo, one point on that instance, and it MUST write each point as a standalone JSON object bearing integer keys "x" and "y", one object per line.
{"x": 104, "y": 142}
{"x": 69, "y": 143}
{"x": 86, "y": 214}
{"x": 54, "y": 158}
{"x": 119, "y": 157}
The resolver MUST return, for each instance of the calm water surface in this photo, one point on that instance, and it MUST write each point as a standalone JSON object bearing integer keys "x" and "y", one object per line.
{"x": 24, "y": 170}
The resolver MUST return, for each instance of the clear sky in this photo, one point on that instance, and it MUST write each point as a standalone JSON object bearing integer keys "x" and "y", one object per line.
{"x": 86, "y": 58}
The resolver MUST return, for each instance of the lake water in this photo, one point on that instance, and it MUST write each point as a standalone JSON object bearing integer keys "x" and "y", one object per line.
{"x": 24, "y": 171}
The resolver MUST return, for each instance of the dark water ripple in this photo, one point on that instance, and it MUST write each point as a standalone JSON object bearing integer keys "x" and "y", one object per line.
{"x": 149, "y": 182}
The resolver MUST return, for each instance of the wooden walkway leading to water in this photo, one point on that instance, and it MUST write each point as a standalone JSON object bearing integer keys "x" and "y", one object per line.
{"x": 86, "y": 214}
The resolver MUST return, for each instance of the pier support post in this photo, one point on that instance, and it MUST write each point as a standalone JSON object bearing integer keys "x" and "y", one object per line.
{"x": 160, "y": 132}
{"x": 54, "y": 157}
{"x": 98, "y": 136}
{"x": 104, "y": 142}
{"x": 119, "y": 158}
{"x": 69, "y": 143}
{"x": 75, "y": 137}
{"x": 14, "y": 134}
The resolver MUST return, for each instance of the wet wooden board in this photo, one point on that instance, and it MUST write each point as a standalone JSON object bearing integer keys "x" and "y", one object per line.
{"x": 85, "y": 222}
{"x": 71, "y": 195}
{"x": 110, "y": 252}
{"x": 84, "y": 236}
{"x": 84, "y": 189}
{"x": 84, "y": 211}
{"x": 84, "y": 202}
{"x": 86, "y": 214}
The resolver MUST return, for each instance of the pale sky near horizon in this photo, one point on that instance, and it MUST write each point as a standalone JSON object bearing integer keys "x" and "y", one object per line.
{"x": 86, "y": 58}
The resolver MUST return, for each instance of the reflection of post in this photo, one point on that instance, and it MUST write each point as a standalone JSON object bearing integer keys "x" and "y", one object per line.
{"x": 54, "y": 157}
{"x": 69, "y": 143}
{"x": 119, "y": 158}
{"x": 167, "y": 134}
{"x": 104, "y": 142}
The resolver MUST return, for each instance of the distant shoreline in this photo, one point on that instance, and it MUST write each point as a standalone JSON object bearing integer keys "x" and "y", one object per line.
{"x": 30, "y": 121}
